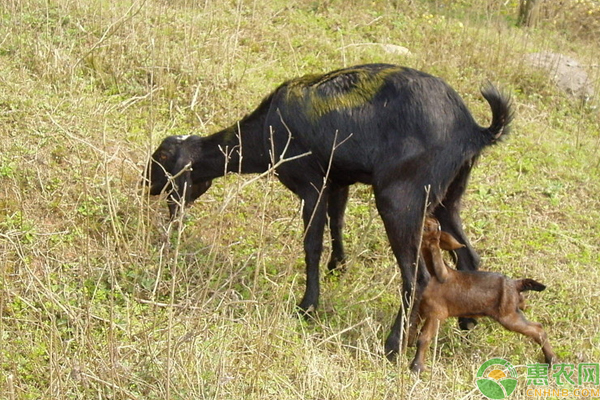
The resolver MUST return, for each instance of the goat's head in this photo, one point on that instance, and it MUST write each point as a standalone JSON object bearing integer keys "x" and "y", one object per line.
{"x": 169, "y": 171}
{"x": 161, "y": 164}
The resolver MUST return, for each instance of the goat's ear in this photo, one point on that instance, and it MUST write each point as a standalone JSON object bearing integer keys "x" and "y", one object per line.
{"x": 439, "y": 267}
{"x": 447, "y": 242}
{"x": 198, "y": 189}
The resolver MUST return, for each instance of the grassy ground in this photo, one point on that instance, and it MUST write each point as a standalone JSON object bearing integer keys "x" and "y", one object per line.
{"x": 101, "y": 298}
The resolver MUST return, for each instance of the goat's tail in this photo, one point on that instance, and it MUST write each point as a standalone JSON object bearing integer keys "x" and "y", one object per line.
{"x": 502, "y": 112}
{"x": 529, "y": 284}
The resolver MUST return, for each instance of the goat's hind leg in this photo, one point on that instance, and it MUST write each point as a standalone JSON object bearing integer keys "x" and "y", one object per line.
{"x": 517, "y": 322}
{"x": 448, "y": 214}
{"x": 401, "y": 208}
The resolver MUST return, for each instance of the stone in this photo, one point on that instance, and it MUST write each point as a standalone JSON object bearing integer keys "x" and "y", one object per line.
{"x": 566, "y": 72}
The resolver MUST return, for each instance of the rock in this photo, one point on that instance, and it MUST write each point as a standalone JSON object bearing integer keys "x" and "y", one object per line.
{"x": 566, "y": 72}
{"x": 395, "y": 49}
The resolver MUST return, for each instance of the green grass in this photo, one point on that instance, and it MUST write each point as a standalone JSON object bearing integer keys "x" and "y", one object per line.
{"x": 101, "y": 298}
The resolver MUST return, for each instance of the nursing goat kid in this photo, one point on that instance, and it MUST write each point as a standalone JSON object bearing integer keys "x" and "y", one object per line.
{"x": 452, "y": 293}
{"x": 395, "y": 128}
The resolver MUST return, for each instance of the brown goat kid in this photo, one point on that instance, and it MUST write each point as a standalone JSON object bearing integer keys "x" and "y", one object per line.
{"x": 452, "y": 293}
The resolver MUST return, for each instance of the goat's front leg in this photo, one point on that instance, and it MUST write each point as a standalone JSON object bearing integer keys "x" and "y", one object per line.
{"x": 427, "y": 334}
{"x": 413, "y": 329}
{"x": 314, "y": 216}
{"x": 336, "y": 208}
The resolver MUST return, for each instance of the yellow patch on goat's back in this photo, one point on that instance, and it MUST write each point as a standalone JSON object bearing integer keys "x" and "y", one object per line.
{"x": 344, "y": 89}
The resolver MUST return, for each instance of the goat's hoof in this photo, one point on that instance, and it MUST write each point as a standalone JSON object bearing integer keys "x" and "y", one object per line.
{"x": 336, "y": 272}
{"x": 336, "y": 267}
{"x": 466, "y": 324}
{"x": 306, "y": 312}
{"x": 391, "y": 348}
{"x": 391, "y": 355}
{"x": 552, "y": 359}
{"x": 417, "y": 367}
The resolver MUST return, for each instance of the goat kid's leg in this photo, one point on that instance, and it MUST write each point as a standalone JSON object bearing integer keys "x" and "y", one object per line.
{"x": 517, "y": 322}
{"x": 425, "y": 337}
{"x": 402, "y": 216}
{"x": 448, "y": 214}
{"x": 336, "y": 208}
{"x": 314, "y": 216}
{"x": 413, "y": 330}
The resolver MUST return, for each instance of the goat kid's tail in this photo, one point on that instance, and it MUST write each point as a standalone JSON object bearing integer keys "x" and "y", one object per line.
{"x": 524, "y": 285}
{"x": 502, "y": 112}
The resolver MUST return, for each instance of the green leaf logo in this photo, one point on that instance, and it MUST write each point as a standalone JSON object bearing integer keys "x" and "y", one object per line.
{"x": 496, "y": 379}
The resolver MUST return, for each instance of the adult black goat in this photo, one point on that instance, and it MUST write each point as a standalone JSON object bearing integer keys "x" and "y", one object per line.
{"x": 395, "y": 128}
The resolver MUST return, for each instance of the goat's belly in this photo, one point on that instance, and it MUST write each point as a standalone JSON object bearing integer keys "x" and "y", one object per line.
{"x": 350, "y": 176}
{"x": 470, "y": 315}
{"x": 467, "y": 310}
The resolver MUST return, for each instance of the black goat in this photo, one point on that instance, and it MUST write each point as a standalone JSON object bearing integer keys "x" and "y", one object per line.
{"x": 392, "y": 127}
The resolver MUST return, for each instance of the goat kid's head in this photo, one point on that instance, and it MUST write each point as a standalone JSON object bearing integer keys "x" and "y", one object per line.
{"x": 169, "y": 171}
{"x": 433, "y": 235}
{"x": 434, "y": 241}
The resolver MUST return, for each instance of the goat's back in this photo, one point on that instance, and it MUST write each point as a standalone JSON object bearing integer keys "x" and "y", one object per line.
{"x": 367, "y": 122}
{"x": 470, "y": 294}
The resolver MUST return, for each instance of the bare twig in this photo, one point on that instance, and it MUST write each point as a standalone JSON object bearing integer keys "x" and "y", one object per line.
{"x": 111, "y": 385}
